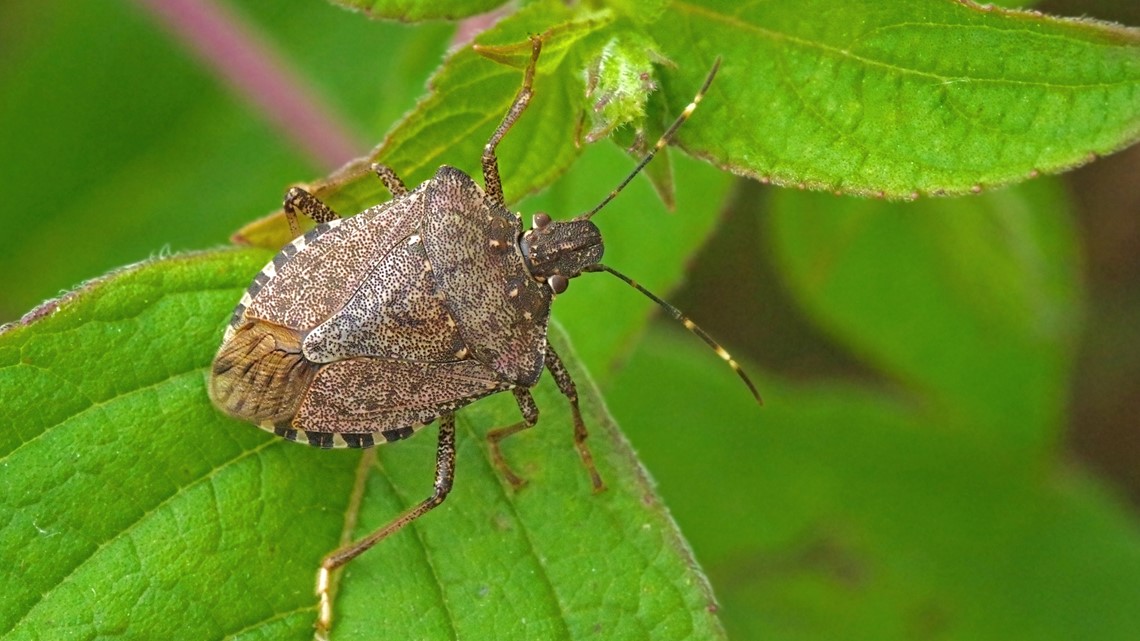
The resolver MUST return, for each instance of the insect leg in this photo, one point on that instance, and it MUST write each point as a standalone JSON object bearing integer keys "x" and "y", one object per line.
{"x": 299, "y": 200}
{"x": 566, "y": 386}
{"x": 530, "y": 417}
{"x": 444, "y": 475}
{"x": 491, "y": 181}
{"x": 395, "y": 186}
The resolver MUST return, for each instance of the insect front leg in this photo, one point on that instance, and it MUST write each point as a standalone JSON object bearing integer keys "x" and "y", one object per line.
{"x": 388, "y": 176}
{"x": 491, "y": 181}
{"x": 444, "y": 476}
{"x": 299, "y": 200}
{"x": 566, "y": 386}
{"x": 494, "y": 437}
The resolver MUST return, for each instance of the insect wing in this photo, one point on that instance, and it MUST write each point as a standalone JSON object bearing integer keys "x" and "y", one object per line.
{"x": 364, "y": 395}
{"x": 315, "y": 275}
{"x": 396, "y": 313}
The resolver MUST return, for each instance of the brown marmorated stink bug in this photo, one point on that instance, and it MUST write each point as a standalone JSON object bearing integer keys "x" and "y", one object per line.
{"x": 368, "y": 328}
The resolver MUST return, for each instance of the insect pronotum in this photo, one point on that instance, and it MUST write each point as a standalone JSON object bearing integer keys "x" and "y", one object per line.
{"x": 366, "y": 329}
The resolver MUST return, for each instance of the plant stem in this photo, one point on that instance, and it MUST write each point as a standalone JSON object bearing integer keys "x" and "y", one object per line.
{"x": 243, "y": 57}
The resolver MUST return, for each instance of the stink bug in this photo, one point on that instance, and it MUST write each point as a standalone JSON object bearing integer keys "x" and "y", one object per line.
{"x": 366, "y": 329}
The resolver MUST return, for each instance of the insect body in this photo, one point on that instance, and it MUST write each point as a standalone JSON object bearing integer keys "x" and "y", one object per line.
{"x": 366, "y": 329}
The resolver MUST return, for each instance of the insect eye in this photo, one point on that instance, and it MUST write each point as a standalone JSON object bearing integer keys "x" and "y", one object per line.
{"x": 558, "y": 283}
{"x": 541, "y": 219}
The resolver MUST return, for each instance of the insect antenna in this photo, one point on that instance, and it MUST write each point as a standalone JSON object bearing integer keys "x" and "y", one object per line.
{"x": 661, "y": 142}
{"x": 689, "y": 325}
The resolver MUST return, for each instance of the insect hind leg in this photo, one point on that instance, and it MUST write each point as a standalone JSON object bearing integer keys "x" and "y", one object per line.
{"x": 444, "y": 477}
{"x": 530, "y": 417}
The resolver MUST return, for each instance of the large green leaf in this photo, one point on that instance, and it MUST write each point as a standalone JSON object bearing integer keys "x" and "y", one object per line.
{"x": 836, "y": 512}
{"x": 973, "y": 300}
{"x": 141, "y": 501}
{"x": 889, "y": 98}
{"x": 140, "y": 512}
{"x": 898, "y": 97}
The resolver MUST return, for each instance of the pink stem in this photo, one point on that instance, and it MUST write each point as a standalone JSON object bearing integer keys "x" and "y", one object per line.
{"x": 259, "y": 73}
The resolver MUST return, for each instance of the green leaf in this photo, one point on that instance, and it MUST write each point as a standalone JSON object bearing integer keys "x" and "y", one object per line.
{"x": 470, "y": 94}
{"x": 140, "y": 512}
{"x": 194, "y": 482}
{"x": 972, "y": 301}
{"x": 839, "y": 512}
{"x": 898, "y": 97}
{"x": 160, "y": 155}
{"x": 416, "y": 10}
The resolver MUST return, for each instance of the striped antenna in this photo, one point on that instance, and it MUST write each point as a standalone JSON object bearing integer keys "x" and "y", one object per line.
{"x": 689, "y": 325}
{"x": 661, "y": 142}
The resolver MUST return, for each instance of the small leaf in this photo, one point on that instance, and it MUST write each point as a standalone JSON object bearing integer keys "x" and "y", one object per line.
{"x": 140, "y": 512}
{"x": 841, "y": 512}
{"x": 619, "y": 81}
{"x": 900, "y": 97}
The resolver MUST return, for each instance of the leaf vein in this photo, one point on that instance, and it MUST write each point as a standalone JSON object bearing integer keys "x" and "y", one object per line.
{"x": 208, "y": 477}
{"x": 96, "y": 405}
{"x": 525, "y": 530}
{"x": 278, "y": 616}
{"x": 439, "y": 588}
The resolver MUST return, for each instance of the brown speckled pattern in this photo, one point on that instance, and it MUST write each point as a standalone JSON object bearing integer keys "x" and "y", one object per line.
{"x": 393, "y": 318}
{"x": 501, "y": 309}
{"x": 317, "y": 281}
{"x": 397, "y": 312}
{"x": 378, "y": 395}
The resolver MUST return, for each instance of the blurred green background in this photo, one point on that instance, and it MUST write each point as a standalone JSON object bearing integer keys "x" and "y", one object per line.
{"x": 949, "y": 446}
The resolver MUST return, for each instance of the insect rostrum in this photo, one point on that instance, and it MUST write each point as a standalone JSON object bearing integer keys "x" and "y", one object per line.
{"x": 368, "y": 328}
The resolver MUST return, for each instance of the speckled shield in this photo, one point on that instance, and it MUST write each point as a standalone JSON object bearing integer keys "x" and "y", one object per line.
{"x": 368, "y": 328}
